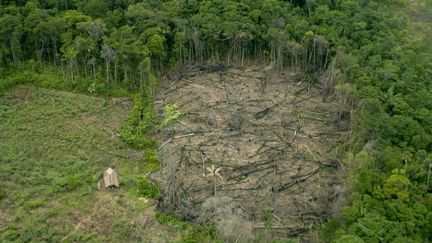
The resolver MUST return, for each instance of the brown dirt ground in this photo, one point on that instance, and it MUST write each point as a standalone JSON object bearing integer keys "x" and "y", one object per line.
{"x": 272, "y": 136}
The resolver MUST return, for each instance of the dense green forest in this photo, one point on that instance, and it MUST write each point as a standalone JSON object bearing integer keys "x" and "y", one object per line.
{"x": 374, "y": 56}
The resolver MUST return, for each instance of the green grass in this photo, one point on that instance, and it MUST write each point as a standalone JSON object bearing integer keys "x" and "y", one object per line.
{"x": 204, "y": 232}
{"x": 54, "y": 146}
{"x": 171, "y": 221}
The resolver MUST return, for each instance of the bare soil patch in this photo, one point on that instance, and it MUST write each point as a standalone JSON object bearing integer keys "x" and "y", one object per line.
{"x": 271, "y": 138}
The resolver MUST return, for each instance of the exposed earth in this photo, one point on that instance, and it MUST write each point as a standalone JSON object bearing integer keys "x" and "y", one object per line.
{"x": 264, "y": 142}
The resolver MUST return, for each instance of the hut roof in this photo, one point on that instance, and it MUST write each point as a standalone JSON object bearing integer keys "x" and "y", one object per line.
{"x": 110, "y": 178}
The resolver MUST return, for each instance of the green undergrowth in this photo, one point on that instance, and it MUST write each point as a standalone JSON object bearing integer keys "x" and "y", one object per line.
{"x": 204, "y": 232}
{"x": 54, "y": 146}
{"x": 170, "y": 220}
{"x": 137, "y": 132}
{"x": 146, "y": 188}
{"x": 52, "y": 78}
{"x": 137, "y": 129}
{"x": 171, "y": 113}
{"x": 201, "y": 233}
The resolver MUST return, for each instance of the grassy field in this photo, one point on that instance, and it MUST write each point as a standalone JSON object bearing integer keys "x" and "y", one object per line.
{"x": 54, "y": 147}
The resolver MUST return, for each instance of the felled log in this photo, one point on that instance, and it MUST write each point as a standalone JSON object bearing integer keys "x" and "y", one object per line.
{"x": 265, "y": 112}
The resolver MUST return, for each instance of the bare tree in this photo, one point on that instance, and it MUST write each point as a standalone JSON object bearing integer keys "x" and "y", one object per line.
{"x": 343, "y": 91}
{"x": 109, "y": 55}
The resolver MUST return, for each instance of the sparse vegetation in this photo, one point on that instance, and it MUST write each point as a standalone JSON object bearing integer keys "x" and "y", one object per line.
{"x": 171, "y": 113}
{"x": 140, "y": 123}
{"x": 171, "y": 221}
{"x": 204, "y": 232}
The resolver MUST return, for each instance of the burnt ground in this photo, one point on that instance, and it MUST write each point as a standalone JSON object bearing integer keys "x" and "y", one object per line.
{"x": 272, "y": 137}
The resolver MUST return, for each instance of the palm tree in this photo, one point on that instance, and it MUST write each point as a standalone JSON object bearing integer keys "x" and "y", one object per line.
{"x": 214, "y": 172}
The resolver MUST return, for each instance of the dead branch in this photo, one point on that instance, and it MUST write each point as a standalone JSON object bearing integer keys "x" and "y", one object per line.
{"x": 318, "y": 161}
{"x": 265, "y": 112}
{"x": 263, "y": 84}
{"x": 341, "y": 165}
{"x": 271, "y": 227}
{"x": 300, "y": 123}
{"x": 281, "y": 138}
{"x": 292, "y": 140}
{"x": 298, "y": 179}
{"x": 226, "y": 91}
{"x": 266, "y": 174}
{"x": 241, "y": 189}
{"x": 313, "y": 156}
{"x": 175, "y": 137}
{"x": 247, "y": 173}
{"x": 253, "y": 165}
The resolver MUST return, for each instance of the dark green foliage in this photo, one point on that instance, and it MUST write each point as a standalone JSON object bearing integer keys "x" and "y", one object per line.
{"x": 151, "y": 160}
{"x": 205, "y": 232}
{"x": 2, "y": 194}
{"x": 68, "y": 183}
{"x": 140, "y": 123}
{"x": 11, "y": 79}
{"x": 146, "y": 188}
{"x": 32, "y": 204}
{"x": 171, "y": 221}
{"x": 389, "y": 177}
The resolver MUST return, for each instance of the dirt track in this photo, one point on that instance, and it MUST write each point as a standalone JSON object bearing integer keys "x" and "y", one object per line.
{"x": 272, "y": 137}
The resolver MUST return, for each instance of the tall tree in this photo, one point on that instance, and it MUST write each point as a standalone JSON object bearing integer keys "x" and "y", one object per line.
{"x": 11, "y": 32}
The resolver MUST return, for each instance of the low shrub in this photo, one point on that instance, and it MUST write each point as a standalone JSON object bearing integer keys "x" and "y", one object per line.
{"x": 32, "y": 204}
{"x": 10, "y": 234}
{"x": 171, "y": 113}
{"x": 146, "y": 188}
{"x": 172, "y": 221}
{"x": 142, "y": 120}
{"x": 68, "y": 183}
{"x": 2, "y": 194}
{"x": 205, "y": 232}
{"x": 151, "y": 160}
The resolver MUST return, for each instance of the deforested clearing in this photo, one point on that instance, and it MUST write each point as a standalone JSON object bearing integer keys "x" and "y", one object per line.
{"x": 264, "y": 140}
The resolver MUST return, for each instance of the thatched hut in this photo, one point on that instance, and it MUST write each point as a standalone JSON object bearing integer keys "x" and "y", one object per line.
{"x": 109, "y": 180}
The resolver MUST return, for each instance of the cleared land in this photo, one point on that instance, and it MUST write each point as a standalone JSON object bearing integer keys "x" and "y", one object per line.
{"x": 53, "y": 148}
{"x": 271, "y": 138}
